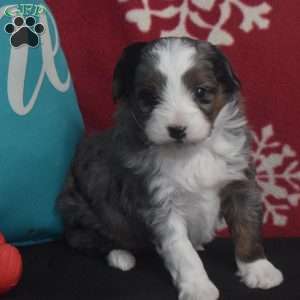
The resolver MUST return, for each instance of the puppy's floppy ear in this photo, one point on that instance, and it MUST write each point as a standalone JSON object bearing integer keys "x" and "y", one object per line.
{"x": 124, "y": 73}
{"x": 224, "y": 72}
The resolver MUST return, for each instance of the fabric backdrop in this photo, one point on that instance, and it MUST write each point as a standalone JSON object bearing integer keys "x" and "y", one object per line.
{"x": 262, "y": 40}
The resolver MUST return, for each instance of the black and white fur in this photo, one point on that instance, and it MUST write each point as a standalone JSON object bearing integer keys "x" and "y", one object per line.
{"x": 176, "y": 162}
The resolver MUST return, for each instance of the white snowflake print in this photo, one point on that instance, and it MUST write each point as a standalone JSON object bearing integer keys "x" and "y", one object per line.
{"x": 278, "y": 175}
{"x": 252, "y": 15}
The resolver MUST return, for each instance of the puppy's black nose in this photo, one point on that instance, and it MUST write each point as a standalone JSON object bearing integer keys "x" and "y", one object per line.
{"x": 177, "y": 132}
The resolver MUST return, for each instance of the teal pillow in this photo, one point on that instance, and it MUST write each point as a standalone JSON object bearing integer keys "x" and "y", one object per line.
{"x": 40, "y": 123}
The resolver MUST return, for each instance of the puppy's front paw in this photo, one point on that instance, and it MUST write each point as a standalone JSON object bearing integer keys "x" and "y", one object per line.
{"x": 121, "y": 259}
{"x": 260, "y": 274}
{"x": 199, "y": 290}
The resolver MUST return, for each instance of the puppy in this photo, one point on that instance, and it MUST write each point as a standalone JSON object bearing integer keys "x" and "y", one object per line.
{"x": 177, "y": 160}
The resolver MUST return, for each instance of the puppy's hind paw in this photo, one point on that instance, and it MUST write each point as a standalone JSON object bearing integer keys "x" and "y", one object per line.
{"x": 121, "y": 259}
{"x": 199, "y": 290}
{"x": 199, "y": 247}
{"x": 260, "y": 274}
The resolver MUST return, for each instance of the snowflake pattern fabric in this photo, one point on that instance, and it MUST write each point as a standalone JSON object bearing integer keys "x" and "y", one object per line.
{"x": 191, "y": 10}
{"x": 278, "y": 175}
{"x": 259, "y": 38}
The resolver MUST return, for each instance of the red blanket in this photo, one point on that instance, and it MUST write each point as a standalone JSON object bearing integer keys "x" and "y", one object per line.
{"x": 259, "y": 36}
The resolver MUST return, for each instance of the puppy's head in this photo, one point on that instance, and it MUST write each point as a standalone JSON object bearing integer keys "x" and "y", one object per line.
{"x": 174, "y": 88}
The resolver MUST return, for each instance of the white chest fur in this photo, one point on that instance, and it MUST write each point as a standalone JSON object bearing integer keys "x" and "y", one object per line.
{"x": 190, "y": 178}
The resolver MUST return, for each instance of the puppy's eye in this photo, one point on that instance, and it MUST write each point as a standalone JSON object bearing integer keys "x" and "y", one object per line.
{"x": 200, "y": 94}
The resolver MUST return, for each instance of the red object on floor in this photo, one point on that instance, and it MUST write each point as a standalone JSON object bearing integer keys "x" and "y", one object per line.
{"x": 261, "y": 39}
{"x": 10, "y": 266}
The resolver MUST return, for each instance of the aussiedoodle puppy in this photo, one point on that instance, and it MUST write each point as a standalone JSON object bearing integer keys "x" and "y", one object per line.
{"x": 176, "y": 162}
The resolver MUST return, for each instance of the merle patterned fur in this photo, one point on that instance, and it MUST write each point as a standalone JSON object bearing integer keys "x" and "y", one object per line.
{"x": 124, "y": 191}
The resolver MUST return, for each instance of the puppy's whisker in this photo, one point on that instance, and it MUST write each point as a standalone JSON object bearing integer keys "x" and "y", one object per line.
{"x": 136, "y": 121}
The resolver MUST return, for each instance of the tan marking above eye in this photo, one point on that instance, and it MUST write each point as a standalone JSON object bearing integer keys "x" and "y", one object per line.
{"x": 218, "y": 103}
